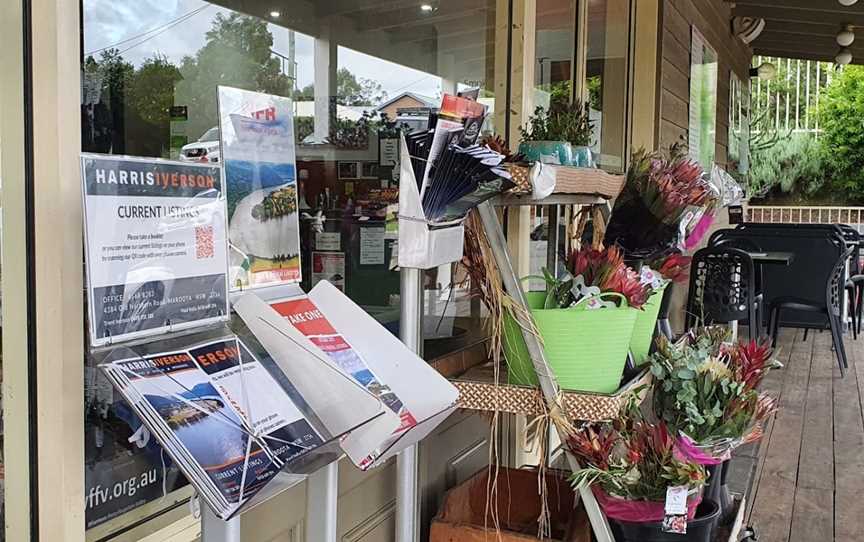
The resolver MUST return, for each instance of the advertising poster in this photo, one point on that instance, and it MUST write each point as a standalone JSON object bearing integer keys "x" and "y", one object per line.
{"x": 155, "y": 246}
{"x": 220, "y": 415}
{"x": 329, "y": 266}
{"x": 308, "y": 319}
{"x": 257, "y": 133}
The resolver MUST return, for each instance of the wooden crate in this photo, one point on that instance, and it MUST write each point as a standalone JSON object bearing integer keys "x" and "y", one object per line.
{"x": 463, "y": 515}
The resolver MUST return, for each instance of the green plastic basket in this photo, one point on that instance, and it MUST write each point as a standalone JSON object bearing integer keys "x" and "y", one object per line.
{"x": 646, "y": 323}
{"x": 586, "y": 349}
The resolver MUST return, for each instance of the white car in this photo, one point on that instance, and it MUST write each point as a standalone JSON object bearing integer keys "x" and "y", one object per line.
{"x": 206, "y": 149}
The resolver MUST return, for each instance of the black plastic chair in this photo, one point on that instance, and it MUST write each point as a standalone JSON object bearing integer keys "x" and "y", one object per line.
{"x": 722, "y": 288}
{"x": 728, "y": 238}
{"x": 855, "y": 282}
{"x": 831, "y": 307}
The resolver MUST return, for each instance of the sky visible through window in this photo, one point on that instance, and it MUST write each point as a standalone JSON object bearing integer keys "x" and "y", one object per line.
{"x": 174, "y": 29}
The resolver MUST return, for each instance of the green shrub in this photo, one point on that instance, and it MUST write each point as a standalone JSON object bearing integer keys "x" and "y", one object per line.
{"x": 841, "y": 117}
{"x": 793, "y": 165}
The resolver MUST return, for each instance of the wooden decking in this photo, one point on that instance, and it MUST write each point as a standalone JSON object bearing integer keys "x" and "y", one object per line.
{"x": 808, "y": 474}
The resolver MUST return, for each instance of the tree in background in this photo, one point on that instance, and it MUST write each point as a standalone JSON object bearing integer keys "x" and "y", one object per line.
{"x": 350, "y": 90}
{"x": 237, "y": 54}
{"x": 841, "y": 118}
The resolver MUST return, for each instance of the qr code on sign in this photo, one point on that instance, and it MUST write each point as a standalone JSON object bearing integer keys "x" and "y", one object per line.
{"x": 203, "y": 242}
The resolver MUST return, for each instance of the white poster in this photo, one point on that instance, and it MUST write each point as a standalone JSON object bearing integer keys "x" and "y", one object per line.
{"x": 328, "y": 240}
{"x": 372, "y": 245}
{"x": 329, "y": 266}
{"x": 155, "y": 246}
{"x": 257, "y": 134}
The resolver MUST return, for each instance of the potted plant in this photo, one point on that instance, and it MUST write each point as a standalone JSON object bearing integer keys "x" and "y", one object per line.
{"x": 560, "y": 134}
{"x": 585, "y": 320}
{"x": 630, "y": 464}
{"x": 707, "y": 394}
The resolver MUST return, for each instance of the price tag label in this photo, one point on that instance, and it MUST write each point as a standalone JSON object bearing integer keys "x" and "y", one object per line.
{"x": 675, "y": 520}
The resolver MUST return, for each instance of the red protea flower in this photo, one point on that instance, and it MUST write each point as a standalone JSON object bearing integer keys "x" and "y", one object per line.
{"x": 750, "y": 362}
{"x": 675, "y": 267}
{"x": 606, "y": 270}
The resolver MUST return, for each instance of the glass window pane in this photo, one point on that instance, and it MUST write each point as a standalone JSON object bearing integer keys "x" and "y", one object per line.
{"x": 608, "y": 48}
{"x": 356, "y": 71}
{"x": 554, "y": 50}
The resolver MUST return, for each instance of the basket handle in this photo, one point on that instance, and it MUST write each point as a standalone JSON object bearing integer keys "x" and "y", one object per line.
{"x": 621, "y": 297}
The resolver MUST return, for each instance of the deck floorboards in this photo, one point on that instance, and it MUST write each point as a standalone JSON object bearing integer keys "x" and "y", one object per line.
{"x": 809, "y": 470}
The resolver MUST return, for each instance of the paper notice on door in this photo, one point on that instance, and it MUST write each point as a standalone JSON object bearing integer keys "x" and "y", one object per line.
{"x": 372, "y": 245}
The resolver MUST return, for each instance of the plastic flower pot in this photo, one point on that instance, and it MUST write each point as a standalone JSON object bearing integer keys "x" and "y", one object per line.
{"x": 586, "y": 348}
{"x": 582, "y": 157}
{"x": 646, "y": 323}
{"x": 699, "y": 529}
{"x": 547, "y": 152}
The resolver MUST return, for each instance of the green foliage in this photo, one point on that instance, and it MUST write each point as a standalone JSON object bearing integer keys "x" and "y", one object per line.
{"x": 237, "y": 54}
{"x": 564, "y": 121}
{"x": 841, "y": 117}
{"x": 793, "y": 164}
{"x": 151, "y": 90}
{"x": 350, "y": 90}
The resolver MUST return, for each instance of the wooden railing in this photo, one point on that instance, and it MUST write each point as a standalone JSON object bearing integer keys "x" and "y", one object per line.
{"x": 854, "y": 216}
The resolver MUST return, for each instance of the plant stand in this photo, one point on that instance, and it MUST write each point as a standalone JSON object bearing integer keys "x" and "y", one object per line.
{"x": 548, "y": 385}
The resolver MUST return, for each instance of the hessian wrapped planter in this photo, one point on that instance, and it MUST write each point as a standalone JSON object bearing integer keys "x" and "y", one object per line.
{"x": 586, "y": 349}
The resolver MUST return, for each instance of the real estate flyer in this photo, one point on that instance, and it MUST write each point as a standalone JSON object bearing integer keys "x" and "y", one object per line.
{"x": 302, "y": 313}
{"x": 156, "y": 246}
{"x": 257, "y": 135}
{"x": 219, "y": 414}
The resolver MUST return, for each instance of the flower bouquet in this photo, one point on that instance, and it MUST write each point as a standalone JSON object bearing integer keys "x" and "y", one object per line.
{"x": 585, "y": 320}
{"x": 630, "y": 464}
{"x": 707, "y": 394}
{"x": 665, "y": 198}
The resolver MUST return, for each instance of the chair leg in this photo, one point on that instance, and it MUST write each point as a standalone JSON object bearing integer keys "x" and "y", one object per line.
{"x": 837, "y": 339}
{"x": 853, "y": 309}
{"x": 774, "y": 325}
{"x": 859, "y": 304}
{"x": 806, "y": 330}
{"x": 753, "y": 326}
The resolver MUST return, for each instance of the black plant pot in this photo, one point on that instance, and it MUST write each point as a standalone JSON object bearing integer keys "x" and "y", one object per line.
{"x": 700, "y": 529}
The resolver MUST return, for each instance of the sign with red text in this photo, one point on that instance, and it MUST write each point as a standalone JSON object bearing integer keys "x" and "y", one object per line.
{"x": 156, "y": 246}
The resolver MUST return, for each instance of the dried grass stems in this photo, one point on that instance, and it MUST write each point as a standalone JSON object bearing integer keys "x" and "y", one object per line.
{"x": 486, "y": 285}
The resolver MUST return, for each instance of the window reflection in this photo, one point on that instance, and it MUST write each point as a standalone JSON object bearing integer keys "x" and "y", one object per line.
{"x": 608, "y": 47}
{"x": 358, "y": 72}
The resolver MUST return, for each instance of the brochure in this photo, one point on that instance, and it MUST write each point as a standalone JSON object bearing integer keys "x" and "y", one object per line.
{"x": 221, "y": 416}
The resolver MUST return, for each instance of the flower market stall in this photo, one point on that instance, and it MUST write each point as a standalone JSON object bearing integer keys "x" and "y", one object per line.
{"x": 648, "y": 421}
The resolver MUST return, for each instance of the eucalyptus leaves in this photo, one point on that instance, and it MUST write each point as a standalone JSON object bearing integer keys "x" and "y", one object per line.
{"x": 706, "y": 389}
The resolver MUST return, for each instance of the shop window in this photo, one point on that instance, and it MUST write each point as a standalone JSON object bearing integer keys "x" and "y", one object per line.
{"x": 607, "y": 78}
{"x": 357, "y": 73}
{"x": 554, "y": 50}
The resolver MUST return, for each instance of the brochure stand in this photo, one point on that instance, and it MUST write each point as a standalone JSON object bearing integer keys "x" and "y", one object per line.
{"x": 421, "y": 246}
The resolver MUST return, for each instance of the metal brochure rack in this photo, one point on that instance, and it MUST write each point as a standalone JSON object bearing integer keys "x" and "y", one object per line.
{"x": 548, "y": 385}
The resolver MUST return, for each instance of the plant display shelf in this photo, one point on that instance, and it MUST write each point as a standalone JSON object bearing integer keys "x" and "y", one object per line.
{"x": 548, "y": 385}
{"x": 479, "y": 391}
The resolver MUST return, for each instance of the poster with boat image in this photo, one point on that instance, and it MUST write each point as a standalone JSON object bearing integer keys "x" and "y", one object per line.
{"x": 221, "y": 416}
{"x": 257, "y": 139}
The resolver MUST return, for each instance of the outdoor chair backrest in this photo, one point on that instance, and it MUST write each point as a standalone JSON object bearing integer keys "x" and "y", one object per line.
{"x": 816, "y": 248}
{"x": 853, "y": 239}
{"x": 729, "y": 239}
{"x": 721, "y": 285}
{"x": 836, "y": 283}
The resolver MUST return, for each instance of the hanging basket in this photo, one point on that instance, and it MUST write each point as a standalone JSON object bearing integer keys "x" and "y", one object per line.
{"x": 586, "y": 349}
{"x": 646, "y": 323}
